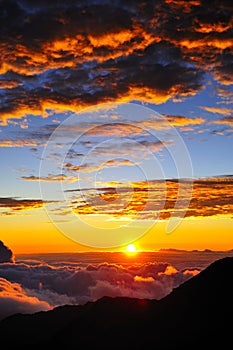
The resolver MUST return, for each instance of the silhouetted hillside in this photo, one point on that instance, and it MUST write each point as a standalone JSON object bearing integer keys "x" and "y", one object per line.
{"x": 197, "y": 314}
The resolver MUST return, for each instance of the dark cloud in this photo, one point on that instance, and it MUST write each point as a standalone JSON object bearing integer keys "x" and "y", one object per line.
{"x": 10, "y": 205}
{"x": 6, "y": 254}
{"x": 65, "y": 55}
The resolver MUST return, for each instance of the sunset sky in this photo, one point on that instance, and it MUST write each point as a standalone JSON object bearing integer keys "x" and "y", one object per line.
{"x": 116, "y": 118}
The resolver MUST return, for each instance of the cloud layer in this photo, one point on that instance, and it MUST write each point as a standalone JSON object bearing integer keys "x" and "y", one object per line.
{"x": 29, "y": 288}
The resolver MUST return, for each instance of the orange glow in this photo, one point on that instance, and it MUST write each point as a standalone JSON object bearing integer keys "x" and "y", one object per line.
{"x": 193, "y": 233}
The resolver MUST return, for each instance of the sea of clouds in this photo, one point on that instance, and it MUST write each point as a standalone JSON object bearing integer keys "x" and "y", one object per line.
{"x": 28, "y": 288}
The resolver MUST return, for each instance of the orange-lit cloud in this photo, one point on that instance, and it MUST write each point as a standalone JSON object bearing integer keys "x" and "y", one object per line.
{"x": 170, "y": 270}
{"x": 210, "y": 197}
{"x": 11, "y": 206}
{"x": 143, "y": 279}
{"x": 225, "y": 121}
{"x": 8, "y": 84}
{"x": 51, "y": 178}
{"x": 209, "y": 27}
{"x": 19, "y": 143}
{"x": 192, "y": 272}
{"x": 183, "y": 121}
{"x": 216, "y": 43}
{"x": 14, "y": 299}
{"x": 91, "y": 54}
{"x": 224, "y": 110}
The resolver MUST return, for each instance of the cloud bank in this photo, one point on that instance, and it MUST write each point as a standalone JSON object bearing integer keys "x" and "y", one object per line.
{"x": 29, "y": 288}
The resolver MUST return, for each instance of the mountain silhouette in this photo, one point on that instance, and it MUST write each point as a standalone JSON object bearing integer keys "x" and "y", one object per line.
{"x": 197, "y": 314}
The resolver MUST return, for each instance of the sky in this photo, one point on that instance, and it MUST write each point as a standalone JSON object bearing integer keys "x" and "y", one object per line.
{"x": 116, "y": 125}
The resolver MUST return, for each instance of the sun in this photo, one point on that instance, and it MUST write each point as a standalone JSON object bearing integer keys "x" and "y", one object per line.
{"x": 131, "y": 248}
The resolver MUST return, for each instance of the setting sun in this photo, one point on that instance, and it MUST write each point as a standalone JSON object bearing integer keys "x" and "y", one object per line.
{"x": 131, "y": 248}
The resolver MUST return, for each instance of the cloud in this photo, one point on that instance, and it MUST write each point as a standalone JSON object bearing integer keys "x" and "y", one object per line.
{"x": 225, "y": 121}
{"x": 143, "y": 279}
{"x": 170, "y": 270}
{"x": 91, "y": 167}
{"x": 224, "y": 110}
{"x": 51, "y": 178}
{"x": 225, "y": 95}
{"x": 12, "y": 206}
{"x": 210, "y": 197}
{"x": 14, "y": 299}
{"x": 183, "y": 121}
{"x": 223, "y": 69}
{"x": 18, "y": 143}
{"x": 69, "y": 55}
{"x": 6, "y": 254}
{"x": 26, "y": 138}
{"x": 47, "y": 286}
{"x": 192, "y": 272}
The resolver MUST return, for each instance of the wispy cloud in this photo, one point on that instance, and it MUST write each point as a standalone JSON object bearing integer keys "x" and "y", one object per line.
{"x": 179, "y": 120}
{"x": 19, "y": 143}
{"x": 217, "y": 110}
{"x": 51, "y": 178}
{"x": 225, "y": 121}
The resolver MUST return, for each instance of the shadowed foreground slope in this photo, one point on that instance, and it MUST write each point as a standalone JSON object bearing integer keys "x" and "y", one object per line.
{"x": 196, "y": 314}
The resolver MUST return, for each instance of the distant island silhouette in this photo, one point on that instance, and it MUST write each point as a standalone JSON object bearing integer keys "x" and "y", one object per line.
{"x": 197, "y": 314}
